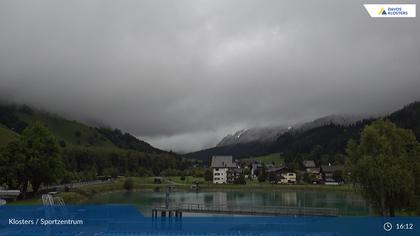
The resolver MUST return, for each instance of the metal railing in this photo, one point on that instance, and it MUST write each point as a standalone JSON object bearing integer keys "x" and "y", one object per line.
{"x": 254, "y": 210}
{"x": 9, "y": 193}
{"x": 76, "y": 184}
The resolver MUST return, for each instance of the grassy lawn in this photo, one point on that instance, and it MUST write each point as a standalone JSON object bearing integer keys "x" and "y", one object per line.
{"x": 188, "y": 179}
{"x": 268, "y": 159}
{"x": 255, "y": 185}
{"x": 81, "y": 193}
{"x": 275, "y": 187}
{"x": 26, "y": 202}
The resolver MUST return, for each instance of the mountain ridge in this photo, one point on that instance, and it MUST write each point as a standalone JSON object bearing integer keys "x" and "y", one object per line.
{"x": 269, "y": 134}
{"x": 15, "y": 118}
{"x": 330, "y": 135}
{"x": 258, "y": 134}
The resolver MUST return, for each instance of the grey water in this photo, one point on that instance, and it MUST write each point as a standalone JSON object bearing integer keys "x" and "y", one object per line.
{"x": 348, "y": 203}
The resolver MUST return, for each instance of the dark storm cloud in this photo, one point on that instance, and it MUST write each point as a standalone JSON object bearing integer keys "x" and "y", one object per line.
{"x": 184, "y": 73}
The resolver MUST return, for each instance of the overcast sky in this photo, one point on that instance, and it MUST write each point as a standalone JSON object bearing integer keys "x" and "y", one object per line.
{"x": 183, "y": 74}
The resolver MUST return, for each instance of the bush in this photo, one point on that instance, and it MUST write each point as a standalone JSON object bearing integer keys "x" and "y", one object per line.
{"x": 128, "y": 184}
{"x": 63, "y": 143}
{"x": 71, "y": 197}
{"x": 240, "y": 180}
{"x": 197, "y": 172}
{"x": 170, "y": 172}
{"x": 307, "y": 178}
{"x": 208, "y": 175}
{"x": 183, "y": 177}
{"x": 262, "y": 177}
{"x": 67, "y": 177}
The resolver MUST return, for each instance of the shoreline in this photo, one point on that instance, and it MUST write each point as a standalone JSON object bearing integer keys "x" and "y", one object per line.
{"x": 88, "y": 192}
{"x": 83, "y": 193}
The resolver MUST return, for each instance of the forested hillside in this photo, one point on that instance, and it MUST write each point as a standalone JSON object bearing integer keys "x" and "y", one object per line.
{"x": 325, "y": 143}
{"x": 408, "y": 118}
{"x": 241, "y": 150}
{"x": 88, "y": 152}
{"x": 70, "y": 133}
{"x": 6, "y": 135}
{"x": 127, "y": 141}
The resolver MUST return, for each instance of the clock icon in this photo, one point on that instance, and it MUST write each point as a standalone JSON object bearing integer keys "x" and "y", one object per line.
{"x": 387, "y": 226}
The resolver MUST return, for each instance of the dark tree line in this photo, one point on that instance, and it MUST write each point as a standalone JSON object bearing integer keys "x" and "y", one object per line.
{"x": 10, "y": 120}
{"x": 37, "y": 159}
{"x": 87, "y": 162}
{"x": 323, "y": 144}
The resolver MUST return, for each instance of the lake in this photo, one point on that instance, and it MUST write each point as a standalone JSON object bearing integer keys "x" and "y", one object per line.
{"x": 348, "y": 203}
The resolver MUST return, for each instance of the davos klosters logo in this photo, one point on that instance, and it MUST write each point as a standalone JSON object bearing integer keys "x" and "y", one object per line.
{"x": 382, "y": 11}
{"x": 391, "y": 10}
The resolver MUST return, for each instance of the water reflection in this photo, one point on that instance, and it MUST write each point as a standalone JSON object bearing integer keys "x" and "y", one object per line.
{"x": 348, "y": 203}
{"x": 289, "y": 198}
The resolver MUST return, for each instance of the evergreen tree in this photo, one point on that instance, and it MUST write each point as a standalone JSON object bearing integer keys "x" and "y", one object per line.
{"x": 208, "y": 175}
{"x": 262, "y": 177}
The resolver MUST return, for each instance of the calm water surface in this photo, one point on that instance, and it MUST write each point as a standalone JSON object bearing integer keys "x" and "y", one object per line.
{"x": 348, "y": 203}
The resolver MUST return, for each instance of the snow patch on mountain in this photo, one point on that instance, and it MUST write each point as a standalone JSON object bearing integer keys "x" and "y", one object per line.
{"x": 270, "y": 134}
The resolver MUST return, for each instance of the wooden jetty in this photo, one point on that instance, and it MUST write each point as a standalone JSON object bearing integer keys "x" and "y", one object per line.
{"x": 177, "y": 210}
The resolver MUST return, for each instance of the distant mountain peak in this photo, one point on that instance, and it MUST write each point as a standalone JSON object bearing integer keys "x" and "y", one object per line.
{"x": 269, "y": 134}
{"x": 332, "y": 133}
{"x": 258, "y": 134}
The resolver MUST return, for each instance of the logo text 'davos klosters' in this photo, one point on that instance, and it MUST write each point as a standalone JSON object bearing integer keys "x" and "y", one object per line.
{"x": 391, "y": 10}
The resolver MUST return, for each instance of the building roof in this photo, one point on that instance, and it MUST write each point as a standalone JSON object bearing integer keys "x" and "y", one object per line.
{"x": 309, "y": 164}
{"x": 222, "y": 161}
{"x": 276, "y": 169}
{"x": 328, "y": 168}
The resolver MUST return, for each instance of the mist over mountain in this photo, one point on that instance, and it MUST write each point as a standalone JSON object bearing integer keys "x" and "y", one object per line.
{"x": 327, "y": 135}
{"x": 70, "y": 133}
{"x": 262, "y": 135}
{"x": 266, "y": 135}
{"x": 343, "y": 120}
{"x": 183, "y": 74}
{"x": 86, "y": 152}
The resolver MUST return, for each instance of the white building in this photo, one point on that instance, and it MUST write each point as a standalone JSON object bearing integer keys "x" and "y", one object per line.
{"x": 288, "y": 178}
{"x": 220, "y": 166}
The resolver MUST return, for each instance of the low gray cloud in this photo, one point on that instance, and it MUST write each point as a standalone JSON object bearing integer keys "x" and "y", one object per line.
{"x": 184, "y": 73}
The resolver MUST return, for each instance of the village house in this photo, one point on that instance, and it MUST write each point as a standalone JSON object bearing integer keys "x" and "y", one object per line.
{"x": 313, "y": 171}
{"x": 309, "y": 165}
{"x": 256, "y": 168}
{"x": 221, "y": 166}
{"x": 234, "y": 174}
{"x": 332, "y": 174}
{"x": 281, "y": 175}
